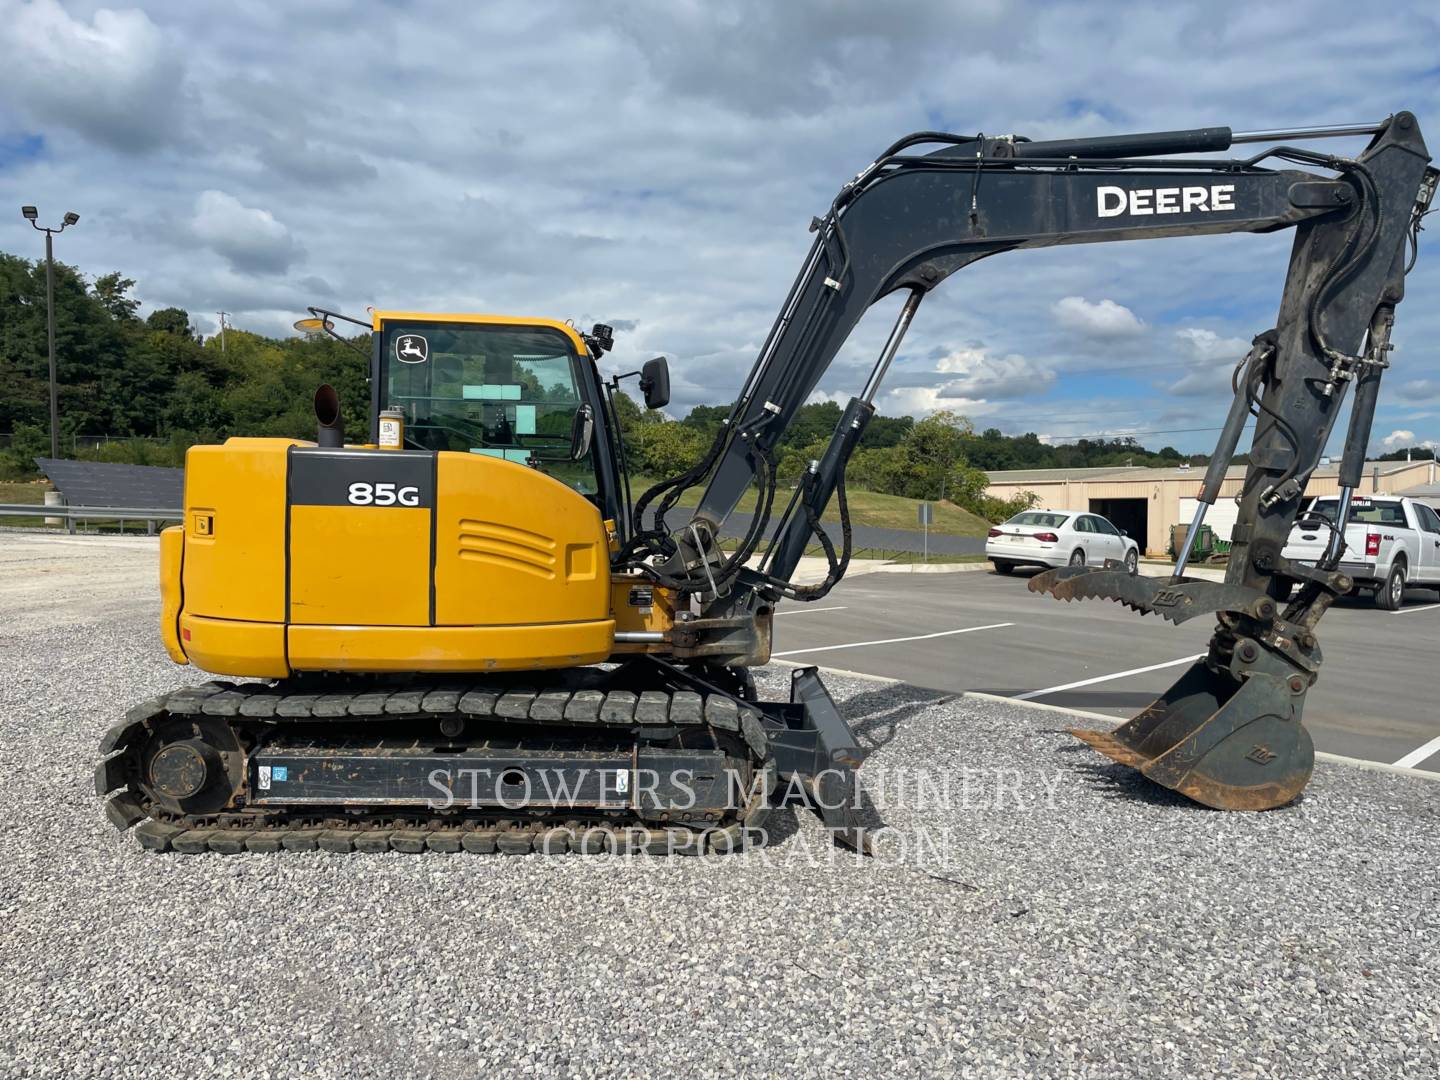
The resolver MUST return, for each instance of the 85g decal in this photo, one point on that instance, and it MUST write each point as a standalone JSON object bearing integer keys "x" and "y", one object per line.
{"x": 362, "y": 493}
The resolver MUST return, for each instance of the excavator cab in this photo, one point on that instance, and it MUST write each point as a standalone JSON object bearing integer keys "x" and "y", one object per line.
{"x": 524, "y": 391}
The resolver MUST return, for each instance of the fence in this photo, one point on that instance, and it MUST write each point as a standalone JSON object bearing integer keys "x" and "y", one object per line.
{"x": 87, "y": 514}
{"x": 76, "y": 443}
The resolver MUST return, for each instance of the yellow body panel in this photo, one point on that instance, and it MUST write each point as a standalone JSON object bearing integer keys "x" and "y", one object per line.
{"x": 630, "y": 615}
{"x": 378, "y": 319}
{"x": 515, "y": 547}
{"x": 449, "y": 648}
{"x": 172, "y": 553}
{"x": 519, "y": 565}
{"x": 360, "y": 565}
{"x": 235, "y": 530}
{"x": 232, "y": 647}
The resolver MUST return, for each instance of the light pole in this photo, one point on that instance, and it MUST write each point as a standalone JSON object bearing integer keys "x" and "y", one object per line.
{"x": 70, "y": 218}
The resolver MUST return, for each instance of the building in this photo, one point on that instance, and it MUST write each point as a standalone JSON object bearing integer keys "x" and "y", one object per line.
{"x": 1146, "y": 503}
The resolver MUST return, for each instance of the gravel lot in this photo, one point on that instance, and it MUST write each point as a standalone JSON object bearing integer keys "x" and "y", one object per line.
{"x": 1051, "y": 918}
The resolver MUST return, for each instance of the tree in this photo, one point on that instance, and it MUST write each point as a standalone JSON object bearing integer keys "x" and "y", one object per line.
{"x": 932, "y": 457}
{"x": 1409, "y": 453}
{"x": 884, "y": 431}
{"x": 663, "y": 450}
{"x": 155, "y": 379}
{"x": 110, "y": 289}
{"x": 172, "y": 320}
{"x": 707, "y": 419}
{"x": 813, "y": 423}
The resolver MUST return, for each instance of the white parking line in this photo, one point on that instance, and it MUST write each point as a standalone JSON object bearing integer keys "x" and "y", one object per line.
{"x": 1419, "y": 754}
{"x": 893, "y": 640}
{"x": 1412, "y": 610}
{"x": 1107, "y": 678}
{"x": 811, "y": 610}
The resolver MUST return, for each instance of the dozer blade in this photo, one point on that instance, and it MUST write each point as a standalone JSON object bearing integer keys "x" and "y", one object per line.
{"x": 1176, "y": 600}
{"x": 1226, "y": 743}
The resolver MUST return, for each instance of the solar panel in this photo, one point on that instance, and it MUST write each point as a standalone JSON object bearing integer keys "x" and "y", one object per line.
{"x": 95, "y": 483}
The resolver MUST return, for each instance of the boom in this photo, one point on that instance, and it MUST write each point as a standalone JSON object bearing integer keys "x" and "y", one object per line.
{"x": 910, "y": 220}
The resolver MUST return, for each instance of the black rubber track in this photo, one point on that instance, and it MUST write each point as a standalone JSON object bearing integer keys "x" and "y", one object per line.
{"x": 119, "y": 778}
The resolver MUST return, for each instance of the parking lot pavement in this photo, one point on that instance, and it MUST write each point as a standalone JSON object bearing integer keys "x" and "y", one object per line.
{"x": 1033, "y": 910}
{"x": 980, "y": 631}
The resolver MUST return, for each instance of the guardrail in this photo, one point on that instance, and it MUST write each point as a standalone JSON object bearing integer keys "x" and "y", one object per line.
{"x": 71, "y": 514}
{"x": 151, "y": 515}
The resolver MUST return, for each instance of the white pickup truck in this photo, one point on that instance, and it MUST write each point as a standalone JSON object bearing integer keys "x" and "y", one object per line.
{"x": 1390, "y": 543}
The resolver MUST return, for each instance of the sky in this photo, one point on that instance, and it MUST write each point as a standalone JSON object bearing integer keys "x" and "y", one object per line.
{"x": 655, "y": 166}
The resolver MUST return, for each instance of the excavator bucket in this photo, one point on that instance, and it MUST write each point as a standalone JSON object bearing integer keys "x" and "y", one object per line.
{"x": 1228, "y": 733}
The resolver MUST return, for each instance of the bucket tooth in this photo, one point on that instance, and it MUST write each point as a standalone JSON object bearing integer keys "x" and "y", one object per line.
{"x": 1111, "y": 747}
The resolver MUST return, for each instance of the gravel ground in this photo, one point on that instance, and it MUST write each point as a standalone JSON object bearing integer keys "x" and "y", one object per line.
{"x": 1046, "y": 916}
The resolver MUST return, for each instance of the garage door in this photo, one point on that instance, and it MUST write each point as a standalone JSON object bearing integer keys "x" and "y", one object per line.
{"x": 1221, "y": 517}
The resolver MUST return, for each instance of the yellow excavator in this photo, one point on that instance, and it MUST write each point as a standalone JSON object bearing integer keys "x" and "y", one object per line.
{"x": 466, "y": 634}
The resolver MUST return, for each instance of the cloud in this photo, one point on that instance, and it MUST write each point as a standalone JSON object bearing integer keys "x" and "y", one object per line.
{"x": 1211, "y": 359}
{"x": 1398, "y": 438}
{"x": 980, "y": 375}
{"x": 797, "y": 58}
{"x": 313, "y": 162}
{"x": 250, "y": 239}
{"x": 1104, "y": 319}
{"x": 368, "y": 154}
{"x": 923, "y": 400}
{"x": 115, "y": 80}
{"x": 1419, "y": 390}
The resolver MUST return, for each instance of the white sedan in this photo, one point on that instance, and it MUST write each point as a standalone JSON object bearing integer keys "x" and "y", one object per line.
{"x": 1059, "y": 538}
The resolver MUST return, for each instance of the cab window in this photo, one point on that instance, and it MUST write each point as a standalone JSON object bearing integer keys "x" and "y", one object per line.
{"x": 509, "y": 392}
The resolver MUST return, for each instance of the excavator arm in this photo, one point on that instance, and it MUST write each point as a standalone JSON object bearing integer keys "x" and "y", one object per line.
{"x": 911, "y": 219}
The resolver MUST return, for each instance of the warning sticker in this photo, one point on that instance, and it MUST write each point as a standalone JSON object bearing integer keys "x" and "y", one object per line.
{"x": 279, "y": 773}
{"x": 264, "y": 777}
{"x": 622, "y": 782}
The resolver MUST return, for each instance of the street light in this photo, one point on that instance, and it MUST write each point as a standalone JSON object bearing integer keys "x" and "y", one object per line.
{"x": 29, "y": 213}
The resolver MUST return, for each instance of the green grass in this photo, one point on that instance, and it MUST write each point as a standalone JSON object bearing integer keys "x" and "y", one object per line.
{"x": 16, "y": 491}
{"x": 23, "y": 492}
{"x": 866, "y": 508}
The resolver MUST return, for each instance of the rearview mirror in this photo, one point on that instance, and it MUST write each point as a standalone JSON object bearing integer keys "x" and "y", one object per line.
{"x": 581, "y": 432}
{"x": 655, "y": 383}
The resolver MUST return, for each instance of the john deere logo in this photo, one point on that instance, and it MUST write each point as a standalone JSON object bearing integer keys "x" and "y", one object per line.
{"x": 411, "y": 349}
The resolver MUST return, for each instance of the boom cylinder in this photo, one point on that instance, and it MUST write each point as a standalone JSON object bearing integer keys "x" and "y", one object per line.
{"x": 1367, "y": 392}
{"x": 791, "y": 546}
{"x": 793, "y": 536}
{"x": 1144, "y": 144}
{"x": 1215, "y": 473}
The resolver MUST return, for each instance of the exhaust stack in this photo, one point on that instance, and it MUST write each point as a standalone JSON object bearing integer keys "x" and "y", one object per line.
{"x": 330, "y": 429}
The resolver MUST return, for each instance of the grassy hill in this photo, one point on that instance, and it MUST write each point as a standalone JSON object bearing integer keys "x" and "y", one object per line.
{"x": 866, "y": 508}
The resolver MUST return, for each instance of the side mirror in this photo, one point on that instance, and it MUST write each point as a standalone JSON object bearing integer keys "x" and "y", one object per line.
{"x": 655, "y": 383}
{"x": 581, "y": 432}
